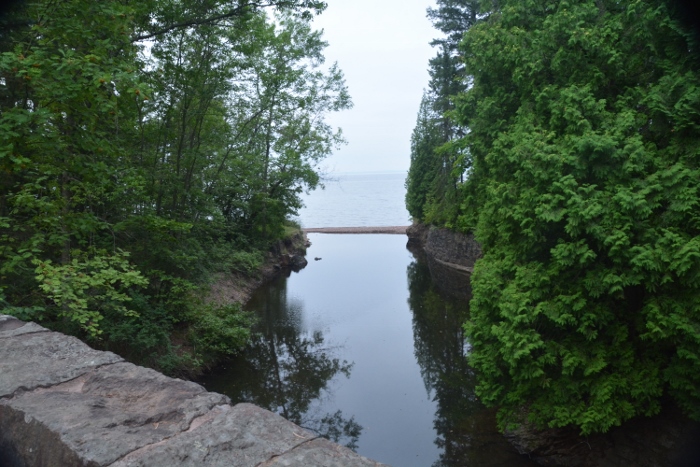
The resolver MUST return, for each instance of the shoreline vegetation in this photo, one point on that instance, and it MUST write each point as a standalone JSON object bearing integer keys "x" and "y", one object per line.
{"x": 564, "y": 137}
{"x": 237, "y": 288}
{"x": 149, "y": 149}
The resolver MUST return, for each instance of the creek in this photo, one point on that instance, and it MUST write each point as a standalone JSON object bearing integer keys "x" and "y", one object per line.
{"x": 361, "y": 346}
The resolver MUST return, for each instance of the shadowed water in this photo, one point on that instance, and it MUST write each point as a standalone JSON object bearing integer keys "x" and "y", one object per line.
{"x": 361, "y": 347}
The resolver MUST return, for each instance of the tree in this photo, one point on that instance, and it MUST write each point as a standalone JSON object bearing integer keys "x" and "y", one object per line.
{"x": 584, "y": 123}
{"x": 285, "y": 95}
{"x": 145, "y": 146}
{"x": 437, "y": 154}
{"x": 66, "y": 92}
{"x": 425, "y": 164}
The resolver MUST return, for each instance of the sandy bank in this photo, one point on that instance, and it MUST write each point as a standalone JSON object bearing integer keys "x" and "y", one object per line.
{"x": 401, "y": 230}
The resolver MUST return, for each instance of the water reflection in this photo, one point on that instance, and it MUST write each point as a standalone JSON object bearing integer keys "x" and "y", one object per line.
{"x": 466, "y": 431}
{"x": 286, "y": 369}
{"x": 372, "y": 303}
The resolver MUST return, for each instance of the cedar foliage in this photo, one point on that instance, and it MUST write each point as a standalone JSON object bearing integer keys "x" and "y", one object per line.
{"x": 584, "y": 143}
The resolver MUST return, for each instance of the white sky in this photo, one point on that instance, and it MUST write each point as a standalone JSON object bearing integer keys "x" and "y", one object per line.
{"x": 383, "y": 48}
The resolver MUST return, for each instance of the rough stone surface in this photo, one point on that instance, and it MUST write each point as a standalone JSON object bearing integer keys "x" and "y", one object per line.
{"x": 449, "y": 248}
{"x": 298, "y": 262}
{"x": 29, "y": 360}
{"x": 319, "y": 452}
{"x": 10, "y": 327}
{"x": 450, "y": 257}
{"x": 123, "y": 402}
{"x": 417, "y": 235}
{"x": 65, "y": 404}
{"x": 243, "y": 436}
{"x": 452, "y": 247}
{"x": 26, "y": 442}
{"x": 293, "y": 262}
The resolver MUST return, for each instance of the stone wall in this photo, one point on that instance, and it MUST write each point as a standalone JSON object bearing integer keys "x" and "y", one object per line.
{"x": 455, "y": 249}
{"x": 64, "y": 404}
{"x": 450, "y": 257}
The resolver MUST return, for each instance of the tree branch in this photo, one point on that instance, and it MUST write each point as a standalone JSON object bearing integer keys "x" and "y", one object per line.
{"x": 318, "y": 6}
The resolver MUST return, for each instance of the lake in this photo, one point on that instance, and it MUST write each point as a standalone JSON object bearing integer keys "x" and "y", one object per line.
{"x": 357, "y": 200}
{"x": 362, "y": 347}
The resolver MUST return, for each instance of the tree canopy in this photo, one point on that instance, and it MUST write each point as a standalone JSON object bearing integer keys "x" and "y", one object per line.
{"x": 145, "y": 146}
{"x": 582, "y": 142}
{"x": 436, "y": 142}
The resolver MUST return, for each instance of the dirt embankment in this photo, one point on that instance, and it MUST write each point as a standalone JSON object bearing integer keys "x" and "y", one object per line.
{"x": 287, "y": 255}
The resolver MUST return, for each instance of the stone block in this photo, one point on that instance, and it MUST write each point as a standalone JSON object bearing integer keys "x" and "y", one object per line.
{"x": 103, "y": 415}
{"x": 240, "y": 436}
{"x": 40, "y": 358}
{"x": 65, "y": 404}
{"x": 320, "y": 453}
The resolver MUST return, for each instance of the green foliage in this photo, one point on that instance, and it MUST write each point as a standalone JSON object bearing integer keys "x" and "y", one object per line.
{"x": 245, "y": 261}
{"x": 88, "y": 285}
{"x": 181, "y": 133}
{"x": 584, "y": 122}
{"x": 219, "y": 330}
{"x": 145, "y": 337}
{"x": 438, "y": 154}
{"x": 424, "y": 161}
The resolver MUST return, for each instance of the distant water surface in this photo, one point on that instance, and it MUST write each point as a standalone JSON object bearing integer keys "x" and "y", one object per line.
{"x": 372, "y": 199}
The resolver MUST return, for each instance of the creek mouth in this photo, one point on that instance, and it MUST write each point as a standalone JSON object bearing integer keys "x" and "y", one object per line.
{"x": 363, "y": 347}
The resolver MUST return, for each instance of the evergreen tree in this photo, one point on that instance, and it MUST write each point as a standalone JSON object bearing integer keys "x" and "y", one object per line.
{"x": 437, "y": 162}
{"x": 424, "y": 161}
{"x": 584, "y": 121}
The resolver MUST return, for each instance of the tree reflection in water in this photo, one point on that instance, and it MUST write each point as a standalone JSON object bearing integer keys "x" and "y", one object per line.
{"x": 286, "y": 369}
{"x": 466, "y": 430}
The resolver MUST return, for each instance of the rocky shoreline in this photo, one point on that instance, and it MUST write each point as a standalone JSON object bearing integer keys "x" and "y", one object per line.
{"x": 287, "y": 255}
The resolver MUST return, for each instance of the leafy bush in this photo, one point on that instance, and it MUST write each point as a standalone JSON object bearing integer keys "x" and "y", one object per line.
{"x": 219, "y": 330}
{"x": 89, "y": 286}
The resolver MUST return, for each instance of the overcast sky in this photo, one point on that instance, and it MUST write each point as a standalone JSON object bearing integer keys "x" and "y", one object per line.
{"x": 383, "y": 48}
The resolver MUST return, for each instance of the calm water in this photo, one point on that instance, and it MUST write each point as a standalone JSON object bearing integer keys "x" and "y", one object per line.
{"x": 357, "y": 200}
{"x": 361, "y": 347}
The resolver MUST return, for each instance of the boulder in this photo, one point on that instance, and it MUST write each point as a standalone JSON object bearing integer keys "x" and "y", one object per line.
{"x": 298, "y": 262}
{"x": 244, "y": 436}
{"x": 104, "y": 414}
